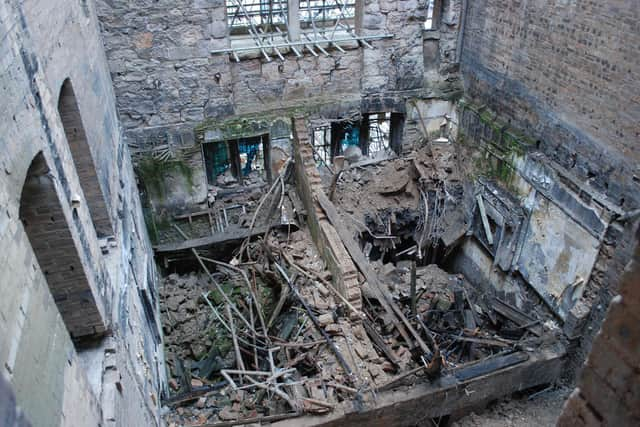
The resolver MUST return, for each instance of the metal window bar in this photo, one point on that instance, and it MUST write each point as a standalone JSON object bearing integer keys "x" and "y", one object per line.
{"x": 217, "y": 160}
{"x": 325, "y": 13}
{"x": 322, "y": 144}
{"x": 244, "y": 14}
{"x": 251, "y": 151}
{"x": 428, "y": 23}
{"x": 379, "y": 132}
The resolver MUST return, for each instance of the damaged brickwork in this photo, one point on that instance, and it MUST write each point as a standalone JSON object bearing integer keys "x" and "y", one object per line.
{"x": 567, "y": 84}
{"x": 607, "y": 392}
{"x": 344, "y": 272}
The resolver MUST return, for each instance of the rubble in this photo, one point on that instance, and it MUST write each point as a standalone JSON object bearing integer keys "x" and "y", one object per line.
{"x": 262, "y": 332}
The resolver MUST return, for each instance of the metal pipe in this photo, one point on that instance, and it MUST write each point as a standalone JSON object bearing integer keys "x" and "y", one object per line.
{"x": 303, "y": 43}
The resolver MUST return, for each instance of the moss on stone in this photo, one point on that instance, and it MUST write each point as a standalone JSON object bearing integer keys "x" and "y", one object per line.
{"x": 153, "y": 173}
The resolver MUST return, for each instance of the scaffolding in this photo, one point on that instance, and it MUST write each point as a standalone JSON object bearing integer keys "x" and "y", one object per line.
{"x": 327, "y": 23}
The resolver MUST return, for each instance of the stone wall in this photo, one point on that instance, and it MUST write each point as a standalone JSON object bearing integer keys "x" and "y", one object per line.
{"x": 608, "y": 392}
{"x": 56, "y": 381}
{"x": 167, "y": 81}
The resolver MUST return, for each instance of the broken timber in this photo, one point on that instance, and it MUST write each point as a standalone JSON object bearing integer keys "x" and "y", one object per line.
{"x": 372, "y": 278}
{"x": 218, "y": 239}
{"x": 485, "y": 220}
{"x": 517, "y": 316}
{"x": 463, "y": 389}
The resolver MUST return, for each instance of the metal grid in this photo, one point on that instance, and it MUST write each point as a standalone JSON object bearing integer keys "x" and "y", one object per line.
{"x": 266, "y": 22}
{"x": 322, "y": 145}
{"x": 216, "y": 159}
{"x": 325, "y": 13}
{"x": 251, "y": 151}
{"x": 242, "y": 15}
{"x": 379, "y": 131}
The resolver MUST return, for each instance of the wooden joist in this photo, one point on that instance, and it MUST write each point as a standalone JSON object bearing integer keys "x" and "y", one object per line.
{"x": 404, "y": 327}
{"x": 517, "y": 316}
{"x": 217, "y": 239}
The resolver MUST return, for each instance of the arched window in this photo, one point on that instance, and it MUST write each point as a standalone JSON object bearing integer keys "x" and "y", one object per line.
{"x": 52, "y": 242}
{"x": 83, "y": 160}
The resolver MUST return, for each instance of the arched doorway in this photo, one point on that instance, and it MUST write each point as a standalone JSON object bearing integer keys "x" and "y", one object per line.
{"x": 52, "y": 242}
{"x": 83, "y": 160}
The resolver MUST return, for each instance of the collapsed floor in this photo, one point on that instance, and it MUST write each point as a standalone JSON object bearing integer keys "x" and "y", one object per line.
{"x": 257, "y": 331}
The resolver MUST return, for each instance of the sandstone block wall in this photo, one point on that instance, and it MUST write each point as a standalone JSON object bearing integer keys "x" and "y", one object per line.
{"x": 54, "y": 380}
{"x": 166, "y": 80}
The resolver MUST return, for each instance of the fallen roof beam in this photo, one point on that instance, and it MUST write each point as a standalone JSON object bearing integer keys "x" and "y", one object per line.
{"x": 448, "y": 394}
{"x": 216, "y": 239}
{"x": 372, "y": 278}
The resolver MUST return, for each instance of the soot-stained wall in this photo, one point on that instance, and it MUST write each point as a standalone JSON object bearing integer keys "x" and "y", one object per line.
{"x": 561, "y": 76}
{"x": 565, "y": 72}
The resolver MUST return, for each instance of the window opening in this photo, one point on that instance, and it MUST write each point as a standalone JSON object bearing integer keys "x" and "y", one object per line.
{"x": 379, "y": 131}
{"x": 322, "y": 145}
{"x": 244, "y": 160}
{"x": 78, "y": 142}
{"x": 327, "y": 13}
{"x": 429, "y": 23}
{"x": 252, "y": 158}
{"x": 44, "y": 222}
{"x": 272, "y": 28}
{"x": 216, "y": 159}
{"x": 244, "y": 16}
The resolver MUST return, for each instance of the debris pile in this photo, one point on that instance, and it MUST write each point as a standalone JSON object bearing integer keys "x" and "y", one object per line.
{"x": 261, "y": 333}
{"x": 405, "y": 207}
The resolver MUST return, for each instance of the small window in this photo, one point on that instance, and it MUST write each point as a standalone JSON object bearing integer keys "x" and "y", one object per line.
{"x": 379, "y": 133}
{"x": 237, "y": 161}
{"x": 430, "y": 23}
{"x": 252, "y": 160}
{"x": 216, "y": 159}
{"x": 375, "y": 136}
{"x": 326, "y": 13}
{"x": 264, "y": 15}
{"x": 322, "y": 145}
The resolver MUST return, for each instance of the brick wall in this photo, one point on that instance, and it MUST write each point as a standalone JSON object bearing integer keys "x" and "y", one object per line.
{"x": 52, "y": 242}
{"x": 565, "y": 72}
{"x": 327, "y": 240}
{"x": 608, "y": 392}
{"x": 83, "y": 159}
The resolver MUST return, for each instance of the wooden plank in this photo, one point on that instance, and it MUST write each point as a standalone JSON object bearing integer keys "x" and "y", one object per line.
{"x": 217, "y": 239}
{"x": 379, "y": 342}
{"x": 254, "y": 420}
{"x": 372, "y": 278}
{"x": 445, "y": 396}
{"x": 485, "y": 220}
{"x": 517, "y": 316}
{"x": 492, "y": 364}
